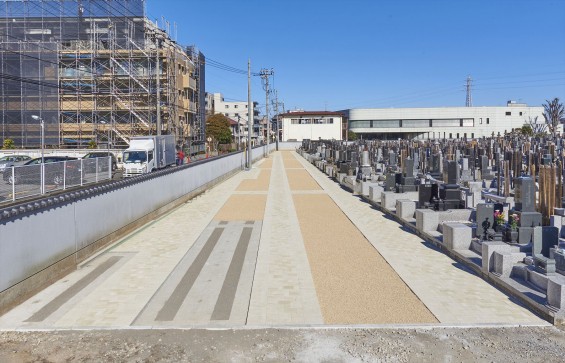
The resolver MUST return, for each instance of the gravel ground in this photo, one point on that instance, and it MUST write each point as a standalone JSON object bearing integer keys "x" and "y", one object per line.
{"x": 354, "y": 283}
{"x": 276, "y": 345}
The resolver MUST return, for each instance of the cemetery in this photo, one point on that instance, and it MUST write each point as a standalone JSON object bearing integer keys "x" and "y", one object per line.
{"x": 494, "y": 204}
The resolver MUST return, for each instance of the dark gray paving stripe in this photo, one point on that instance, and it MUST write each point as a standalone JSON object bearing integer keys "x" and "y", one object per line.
{"x": 222, "y": 310}
{"x": 66, "y": 295}
{"x": 173, "y": 304}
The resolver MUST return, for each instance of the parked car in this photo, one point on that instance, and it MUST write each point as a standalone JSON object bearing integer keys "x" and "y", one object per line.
{"x": 89, "y": 168}
{"x": 12, "y": 160}
{"x": 26, "y": 174}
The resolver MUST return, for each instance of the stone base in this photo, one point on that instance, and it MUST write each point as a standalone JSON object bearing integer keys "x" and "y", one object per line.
{"x": 457, "y": 236}
{"x": 556, "y": 292}
{"x": 405, "y": 208}
{"x": 426, "y": 220}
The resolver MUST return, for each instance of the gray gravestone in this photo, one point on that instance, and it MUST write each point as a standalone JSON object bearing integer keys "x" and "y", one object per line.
{"x": 525, "y": 194}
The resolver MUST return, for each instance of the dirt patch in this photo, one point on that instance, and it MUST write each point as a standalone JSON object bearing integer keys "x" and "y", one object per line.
{"x": 243, "y": 207}
{"x": 276, "y": 345}
{"x": 354, "y": 284}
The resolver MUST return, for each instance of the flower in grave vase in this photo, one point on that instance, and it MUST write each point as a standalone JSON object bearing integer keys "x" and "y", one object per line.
{"x": 499, "y": 220}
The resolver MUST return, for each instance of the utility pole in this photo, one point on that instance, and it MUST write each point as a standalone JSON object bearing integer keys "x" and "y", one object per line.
{"x": 277, "y": 113}
{"x": 158, "y": 83}
{"x": 238, "y": 132}
{"x": 265, "y": 73}
{"x": 250, "y": 115}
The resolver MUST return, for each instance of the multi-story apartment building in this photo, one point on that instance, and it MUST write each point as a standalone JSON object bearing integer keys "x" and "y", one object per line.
{"x": 236, "y": 111}
{"x": 95, "y": 70}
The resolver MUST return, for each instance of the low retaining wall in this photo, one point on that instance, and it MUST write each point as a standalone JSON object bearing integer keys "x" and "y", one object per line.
{"x": 43, "y": 240}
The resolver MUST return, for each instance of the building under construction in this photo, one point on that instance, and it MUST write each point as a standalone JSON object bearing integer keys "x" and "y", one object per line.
{"x": 95, "y": 70}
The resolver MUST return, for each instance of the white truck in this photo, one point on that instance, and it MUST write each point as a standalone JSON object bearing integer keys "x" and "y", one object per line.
{"x": 148, "y": 153}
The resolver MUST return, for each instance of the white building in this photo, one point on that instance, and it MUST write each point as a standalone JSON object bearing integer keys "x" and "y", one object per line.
{"x": 234, "y": 110}
{"x": 442, "y": 122}
{"x": 314, "y": 125}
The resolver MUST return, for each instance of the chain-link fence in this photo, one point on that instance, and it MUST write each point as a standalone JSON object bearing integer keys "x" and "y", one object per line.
{"x": 36, "y": 179}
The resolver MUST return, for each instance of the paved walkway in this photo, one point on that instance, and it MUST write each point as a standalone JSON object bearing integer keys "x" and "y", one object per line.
{"x": 278, "y": 245}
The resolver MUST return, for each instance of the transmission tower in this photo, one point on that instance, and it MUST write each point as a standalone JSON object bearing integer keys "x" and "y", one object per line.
{"x": 265, "y": 74}
{"x": 469, "y": 98}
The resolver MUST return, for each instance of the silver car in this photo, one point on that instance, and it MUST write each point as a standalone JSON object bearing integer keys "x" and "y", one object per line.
{"x": 12, "y": 160}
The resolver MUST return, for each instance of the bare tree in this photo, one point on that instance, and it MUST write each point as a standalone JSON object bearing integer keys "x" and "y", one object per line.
{"x": 553, "y": 114}
{"x": 537, "y": 128}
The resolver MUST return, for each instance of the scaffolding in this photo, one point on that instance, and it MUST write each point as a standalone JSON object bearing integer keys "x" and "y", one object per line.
{"x": 102, "y": 72}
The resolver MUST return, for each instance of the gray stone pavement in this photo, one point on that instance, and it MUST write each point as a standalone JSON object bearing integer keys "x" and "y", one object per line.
{"x": 283, "y": 290}
{"x": 193, "y": 268}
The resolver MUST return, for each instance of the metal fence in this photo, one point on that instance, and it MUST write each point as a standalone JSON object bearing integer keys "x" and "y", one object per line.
{"x": 30, "y": 180}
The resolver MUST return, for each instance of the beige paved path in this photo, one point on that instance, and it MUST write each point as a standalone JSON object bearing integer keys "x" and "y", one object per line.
{"x": 283, "y": 290}
{"x": 153, "y": 252}
{"x": 454, "y": 295}
{"x": 244, "y": 252}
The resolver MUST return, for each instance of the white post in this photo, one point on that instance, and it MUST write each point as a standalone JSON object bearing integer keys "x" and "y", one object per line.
{"x": 42, "y": 156}
{"x": 250, "y": 114}
{"x": 42, "y": 125}
{"x": 13, "y": 183}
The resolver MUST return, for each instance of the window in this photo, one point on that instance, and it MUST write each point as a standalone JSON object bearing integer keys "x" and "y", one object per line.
{"x": 236, "y": 114}
{"x": 234, "y": 106}
{"x": 227, "y": 106}
{"x": 472, "y": 135}
{"x": 508, "y": 113}
{"x": 226, "y": 114}
{"x": 446, "y": 123}
{"x": 415, "y": 123}
{"x": 488, "y": 120}
{"x": 520, "y": 113}
{"x": 481, "y": 121}
{"x": 246, "y": 106}
{"x": 450, "y": 136}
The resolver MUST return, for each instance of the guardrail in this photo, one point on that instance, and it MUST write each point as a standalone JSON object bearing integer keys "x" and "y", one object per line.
{"x": 23, "y": 181}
